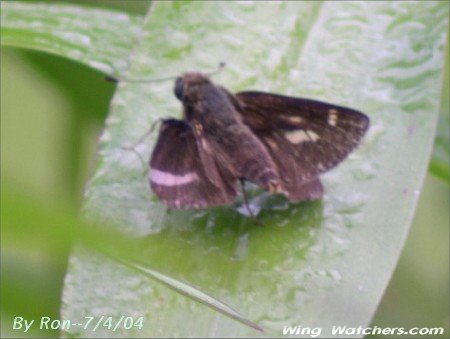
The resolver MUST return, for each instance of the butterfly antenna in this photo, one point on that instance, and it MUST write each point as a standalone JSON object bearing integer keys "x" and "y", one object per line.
{"x": 116, "y": 79}
{"x": 219, "y": 69}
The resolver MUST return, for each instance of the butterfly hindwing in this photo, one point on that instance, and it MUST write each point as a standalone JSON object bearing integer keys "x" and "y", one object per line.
{"x": 304, "y": 137}
{"x": 177, "y": 174}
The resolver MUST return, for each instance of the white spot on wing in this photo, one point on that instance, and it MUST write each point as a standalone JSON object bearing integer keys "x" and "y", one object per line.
{"x": 206, "y": 147}
{"x": 295, "y": 120}
{"x": 313, "y": 136}
{"x": 299, "y": 136}
{"x": 169, "y": 179}
{"x": 332, "y": 117}
{"x": 272, "y": 143}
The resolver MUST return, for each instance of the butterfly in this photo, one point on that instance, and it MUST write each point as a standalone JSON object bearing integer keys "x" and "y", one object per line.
{"x": 277, "y": 142}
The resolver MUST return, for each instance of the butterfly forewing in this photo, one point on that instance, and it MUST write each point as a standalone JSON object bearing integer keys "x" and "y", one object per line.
{"x": 177, "y": 175}
{"x": 305, "y": 137}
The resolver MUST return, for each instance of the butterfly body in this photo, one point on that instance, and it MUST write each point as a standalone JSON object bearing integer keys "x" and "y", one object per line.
{"x": 254, "y": 136}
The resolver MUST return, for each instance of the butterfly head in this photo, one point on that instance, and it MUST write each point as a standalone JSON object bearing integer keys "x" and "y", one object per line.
{"x": 188, "y": 83}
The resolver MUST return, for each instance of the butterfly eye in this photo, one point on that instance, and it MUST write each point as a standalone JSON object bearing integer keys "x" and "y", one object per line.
{"x": 178, "y": 89}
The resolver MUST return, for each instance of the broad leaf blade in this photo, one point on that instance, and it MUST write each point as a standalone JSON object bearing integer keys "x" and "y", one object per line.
{"x": 440, "y": 160}
{"x": 315, "y": 264}
{"x": 99, "y": 38}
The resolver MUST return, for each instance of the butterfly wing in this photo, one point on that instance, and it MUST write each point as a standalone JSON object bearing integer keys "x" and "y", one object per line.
{"x": 177, "y": 174}
{"x": 304, "y": 137}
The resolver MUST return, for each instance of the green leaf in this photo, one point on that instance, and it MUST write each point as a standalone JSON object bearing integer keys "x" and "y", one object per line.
{"x": 440, "y": 160}
{"x": 319, "y": 263}
{"x": 36, "y": 242}
{"x": 101, "y": 39}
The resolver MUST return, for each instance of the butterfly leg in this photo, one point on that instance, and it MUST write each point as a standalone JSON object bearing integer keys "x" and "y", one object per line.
{"x": 133, "y": 146}
{"x": 244, "y": 195}
{"x": 144, "y": 164}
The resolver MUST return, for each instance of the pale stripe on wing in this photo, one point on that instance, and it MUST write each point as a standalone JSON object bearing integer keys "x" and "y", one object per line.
{"x": 169, "y": 179}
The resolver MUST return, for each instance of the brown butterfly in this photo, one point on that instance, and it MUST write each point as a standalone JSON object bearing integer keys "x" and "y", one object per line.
{"x": 279, "y": 143}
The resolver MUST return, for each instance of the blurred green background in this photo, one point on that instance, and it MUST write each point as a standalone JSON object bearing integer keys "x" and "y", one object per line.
{"x": 52, "y": 111}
